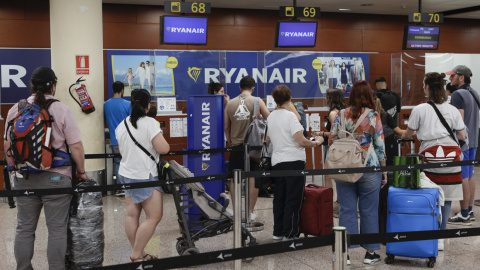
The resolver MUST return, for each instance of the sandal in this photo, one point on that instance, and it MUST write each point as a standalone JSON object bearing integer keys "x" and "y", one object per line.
{"x": 149, "y": 259}
{"x": 141, "y": 259}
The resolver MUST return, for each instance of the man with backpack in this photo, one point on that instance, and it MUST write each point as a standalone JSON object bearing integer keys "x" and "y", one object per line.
{"x": 56, "y": 131}
{"x": 115, "y": 110}
{"x": 391, "y": 101}
{"x": 466, "y": 100}
{"x": 239, "y": 114}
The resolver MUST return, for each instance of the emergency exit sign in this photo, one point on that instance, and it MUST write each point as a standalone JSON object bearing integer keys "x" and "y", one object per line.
{"x": 82, "y": 65}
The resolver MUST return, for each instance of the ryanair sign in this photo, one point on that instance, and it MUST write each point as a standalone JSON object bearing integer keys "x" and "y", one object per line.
{"x": 205, "y": 131}
{"x": 185, "y": 73}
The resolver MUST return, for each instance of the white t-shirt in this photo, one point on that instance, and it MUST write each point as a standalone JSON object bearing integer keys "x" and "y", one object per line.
{"x": 282, "y": 125}
{"x": 425, "y": 121}
{"x": 135, "y": 163}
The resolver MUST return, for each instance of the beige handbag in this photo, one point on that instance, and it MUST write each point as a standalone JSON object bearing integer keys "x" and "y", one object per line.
{"x": 346, "y": 152}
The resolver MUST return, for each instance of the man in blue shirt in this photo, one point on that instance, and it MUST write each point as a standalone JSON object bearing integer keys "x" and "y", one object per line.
{"x": 466, "y": 100}
{"x": 116, "y": 109}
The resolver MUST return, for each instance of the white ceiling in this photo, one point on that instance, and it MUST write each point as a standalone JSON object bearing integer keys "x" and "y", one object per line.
{"x": 393, "y": 7}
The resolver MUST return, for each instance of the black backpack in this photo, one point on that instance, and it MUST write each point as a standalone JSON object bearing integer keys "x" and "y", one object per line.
{"x": 303, "y": 120}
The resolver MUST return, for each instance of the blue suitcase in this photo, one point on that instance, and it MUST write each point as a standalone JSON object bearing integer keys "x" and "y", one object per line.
{"x": 413, "y": 210}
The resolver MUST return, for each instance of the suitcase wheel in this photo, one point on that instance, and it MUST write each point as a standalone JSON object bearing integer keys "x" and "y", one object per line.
{"x": 390, "y": 258}
{"x": 431, "y": 262}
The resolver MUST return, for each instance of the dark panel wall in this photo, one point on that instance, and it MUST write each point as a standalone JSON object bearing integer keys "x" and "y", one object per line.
{"x": 25, "y": 24}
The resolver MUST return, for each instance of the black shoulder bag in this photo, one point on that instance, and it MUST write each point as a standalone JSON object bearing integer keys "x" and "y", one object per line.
{"x": 160, "y": 164}
{"x": 265, "y": 160}
{"x": 445, "y": 124}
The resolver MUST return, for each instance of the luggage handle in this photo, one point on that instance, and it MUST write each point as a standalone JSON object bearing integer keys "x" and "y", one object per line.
{"x": 312, "y": 186}
{"x": 422, "y": 157}
{"x": 404, "y": 140}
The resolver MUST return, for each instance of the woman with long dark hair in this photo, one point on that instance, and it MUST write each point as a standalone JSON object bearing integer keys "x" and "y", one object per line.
{"x": 436, "y": 139}
{"x": 215, "y": 88}
{"x": 363, "y": 193}
{"x": 137, "y": 166}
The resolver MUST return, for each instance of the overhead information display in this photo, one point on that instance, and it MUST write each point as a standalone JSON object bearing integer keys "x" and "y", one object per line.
{"x": 421, "y": 37}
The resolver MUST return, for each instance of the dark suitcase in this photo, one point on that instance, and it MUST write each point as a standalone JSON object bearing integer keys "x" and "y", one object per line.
{"x": 413, "y": 210}
{"x": 316, "y": 217}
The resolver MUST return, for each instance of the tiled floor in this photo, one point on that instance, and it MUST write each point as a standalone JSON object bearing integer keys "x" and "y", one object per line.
{"x": 459, "y": 253}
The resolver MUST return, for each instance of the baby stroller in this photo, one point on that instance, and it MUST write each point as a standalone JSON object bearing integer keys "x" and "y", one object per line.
{"x": 214, "y": 219}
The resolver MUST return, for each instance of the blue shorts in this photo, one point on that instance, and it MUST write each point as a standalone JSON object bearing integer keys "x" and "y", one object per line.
{"x": 139, "y": 195}
{"x": 469, "y": 154}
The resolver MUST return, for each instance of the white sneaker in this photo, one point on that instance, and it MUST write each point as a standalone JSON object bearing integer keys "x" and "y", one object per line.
{"x": 277, "y": 238}
{"x": 289, "y": 239}
{"x": 441, "y": 246}
{"x": 253, "y": 216}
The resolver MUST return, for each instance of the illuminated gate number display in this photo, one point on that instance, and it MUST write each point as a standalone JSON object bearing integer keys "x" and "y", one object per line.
{"x": 187, "y": 7}
{"x": 425, "y": 17}
{"x": 309, "y": 12}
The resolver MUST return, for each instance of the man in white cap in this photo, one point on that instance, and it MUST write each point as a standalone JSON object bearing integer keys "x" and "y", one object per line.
{"x": 466, "y": 100}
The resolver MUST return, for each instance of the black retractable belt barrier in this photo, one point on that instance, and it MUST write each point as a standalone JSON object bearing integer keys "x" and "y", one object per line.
{"x": 228, "y": 254}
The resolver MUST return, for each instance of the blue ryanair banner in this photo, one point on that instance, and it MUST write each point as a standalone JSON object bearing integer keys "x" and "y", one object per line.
{"x": 185, "y": 73}
{"x": 206, "y": 131}
{"x": 17, "y": 66}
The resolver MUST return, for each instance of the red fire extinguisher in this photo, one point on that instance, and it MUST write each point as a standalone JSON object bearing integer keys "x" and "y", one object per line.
{"x": 85, "y": 101}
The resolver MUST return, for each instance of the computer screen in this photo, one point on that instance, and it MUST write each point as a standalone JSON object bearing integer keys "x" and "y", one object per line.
{"x": 296, "y": 34}
{"x": 183, "y": 30}
{"x": 421, "y": 37}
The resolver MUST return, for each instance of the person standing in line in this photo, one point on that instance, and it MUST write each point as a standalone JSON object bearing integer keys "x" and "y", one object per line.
{"x": 65, "y": 132}
{"x": 335, "y": 102}
{"x": 215, "y": 88}
{"x": 364, "y": 193}
{"x": 238, "y": 116}
{"x": 436, "y": 141}
{"x": 286, "y": 135}
{"x": 142, "y": 73}
{"x": 391, "y": 101}
{"x": 115, "y": 110}
{"x": 465, "y": 99}
{"x": 137, "y": 167}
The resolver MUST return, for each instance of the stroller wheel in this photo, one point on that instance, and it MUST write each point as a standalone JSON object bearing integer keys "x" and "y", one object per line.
{"x": 190, "y": 251}
{"x": 181, "y": 246}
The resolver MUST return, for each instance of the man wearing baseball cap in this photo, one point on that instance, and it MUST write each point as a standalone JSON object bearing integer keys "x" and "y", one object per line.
{"x": 467, "y": 102}
{"x": 391, "y": 101}
{"x": 64, "y": 133}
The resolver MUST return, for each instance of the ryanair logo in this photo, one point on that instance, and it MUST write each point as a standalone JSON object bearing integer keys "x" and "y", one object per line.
{"x": 205, "y": 166}
{"x": 194, "y": 72}
{"x": 168, "y": 28}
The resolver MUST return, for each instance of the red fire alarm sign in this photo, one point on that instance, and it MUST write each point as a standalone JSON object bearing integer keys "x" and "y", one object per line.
{"x": 82, "y": 64}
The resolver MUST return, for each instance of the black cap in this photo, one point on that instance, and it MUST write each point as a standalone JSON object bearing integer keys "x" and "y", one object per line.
{"x": 43, "y": 75}
{"x": 380, "y": 79}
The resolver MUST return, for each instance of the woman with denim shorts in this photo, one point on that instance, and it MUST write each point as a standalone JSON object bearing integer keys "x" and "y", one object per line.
{"x": 365, "y": 191}
{"x": 136, "y": 167}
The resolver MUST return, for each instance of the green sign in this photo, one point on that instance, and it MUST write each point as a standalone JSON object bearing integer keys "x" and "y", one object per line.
{"x": 184, "y": 7}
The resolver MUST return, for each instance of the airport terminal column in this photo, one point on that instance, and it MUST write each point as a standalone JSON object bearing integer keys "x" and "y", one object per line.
{"x": 76, "y": 28}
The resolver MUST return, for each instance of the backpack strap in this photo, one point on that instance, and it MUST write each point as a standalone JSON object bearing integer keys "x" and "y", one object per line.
{"x": 255, "y": 107}
{"x": 359, "y": 121}
{"x": 474, "y": 97}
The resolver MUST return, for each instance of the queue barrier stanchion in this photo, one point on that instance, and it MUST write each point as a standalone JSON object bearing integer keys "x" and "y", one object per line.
{"x": 339, "y": 248}
{"x": 237, "y": 212}
{"x": 247, "y": 186}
